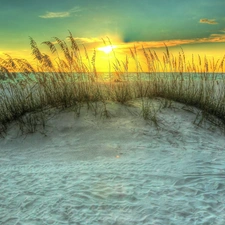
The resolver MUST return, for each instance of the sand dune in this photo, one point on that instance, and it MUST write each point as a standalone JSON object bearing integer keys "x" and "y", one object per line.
{"x": 117, "y": 170}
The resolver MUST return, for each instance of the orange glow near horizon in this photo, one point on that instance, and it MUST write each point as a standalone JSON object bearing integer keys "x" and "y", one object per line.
{"x": 105, "y": 60}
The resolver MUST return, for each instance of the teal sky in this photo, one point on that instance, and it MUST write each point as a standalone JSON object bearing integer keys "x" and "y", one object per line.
{"x": 184, "y": 22}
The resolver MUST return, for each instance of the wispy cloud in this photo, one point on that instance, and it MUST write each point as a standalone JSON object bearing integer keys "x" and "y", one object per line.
{"x": 92, "y": 43}
{"x": 96, "y": 42}
{"x": 51, "y": 15}
{"x": 217, "y": 38}
{"x": 223, "y": 30}
{"x": 208, "y": 21}
{"x": 83, "y": 40}
{"x": 213, "y": 38}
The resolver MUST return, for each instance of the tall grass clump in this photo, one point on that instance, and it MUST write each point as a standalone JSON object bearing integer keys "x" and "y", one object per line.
{"x": 68, "y": 77}
{"x": 199, "y": 82}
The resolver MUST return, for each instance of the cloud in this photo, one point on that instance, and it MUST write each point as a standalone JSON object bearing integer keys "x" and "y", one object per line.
{"x": 97, "y": 42}
{"x": 217, "y": 38}
{"x": 76, "y": 9}
{"x": 83, "y": 40}
{"x": 223, "y": 30}
{"x": 213, "y": 38}
{"x": 208, "y": 21}
{"x": 51, "y": 15}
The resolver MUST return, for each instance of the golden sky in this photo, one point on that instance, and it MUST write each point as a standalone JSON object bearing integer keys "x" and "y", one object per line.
{"x": 198, "y": 27}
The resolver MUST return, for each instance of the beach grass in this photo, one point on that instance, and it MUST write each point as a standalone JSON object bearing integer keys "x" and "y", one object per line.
{"x": 28, "y": 93}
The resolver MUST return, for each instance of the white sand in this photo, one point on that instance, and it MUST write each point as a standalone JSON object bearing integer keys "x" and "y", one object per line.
{"x": 122, "y": 170}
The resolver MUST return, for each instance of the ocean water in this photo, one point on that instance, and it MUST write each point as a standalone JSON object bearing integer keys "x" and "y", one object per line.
{"x": 131, "y": 76}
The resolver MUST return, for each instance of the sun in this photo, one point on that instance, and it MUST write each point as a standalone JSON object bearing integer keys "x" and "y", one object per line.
{"x": 107, "y": 49}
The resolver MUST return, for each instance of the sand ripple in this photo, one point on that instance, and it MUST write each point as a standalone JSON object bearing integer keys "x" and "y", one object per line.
{"x": 112, "y": 192}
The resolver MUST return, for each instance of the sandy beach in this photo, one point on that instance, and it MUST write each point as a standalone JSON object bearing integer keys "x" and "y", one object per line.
{"x": 118, "y": 170}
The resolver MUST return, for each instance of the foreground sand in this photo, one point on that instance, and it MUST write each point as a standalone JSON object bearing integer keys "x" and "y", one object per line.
{"x": 121, "y": 170}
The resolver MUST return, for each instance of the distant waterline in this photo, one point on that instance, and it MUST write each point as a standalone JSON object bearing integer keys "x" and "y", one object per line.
{"x": 113, "y": 76}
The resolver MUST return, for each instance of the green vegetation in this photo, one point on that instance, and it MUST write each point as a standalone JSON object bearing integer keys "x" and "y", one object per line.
{"x": 71, "y": 80}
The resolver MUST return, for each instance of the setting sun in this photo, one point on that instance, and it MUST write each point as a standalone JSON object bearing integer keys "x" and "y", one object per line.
{"x": 107, "y": 49}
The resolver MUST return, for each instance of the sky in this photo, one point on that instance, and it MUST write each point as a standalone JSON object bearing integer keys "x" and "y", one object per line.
{"x": 198, "y": 26}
